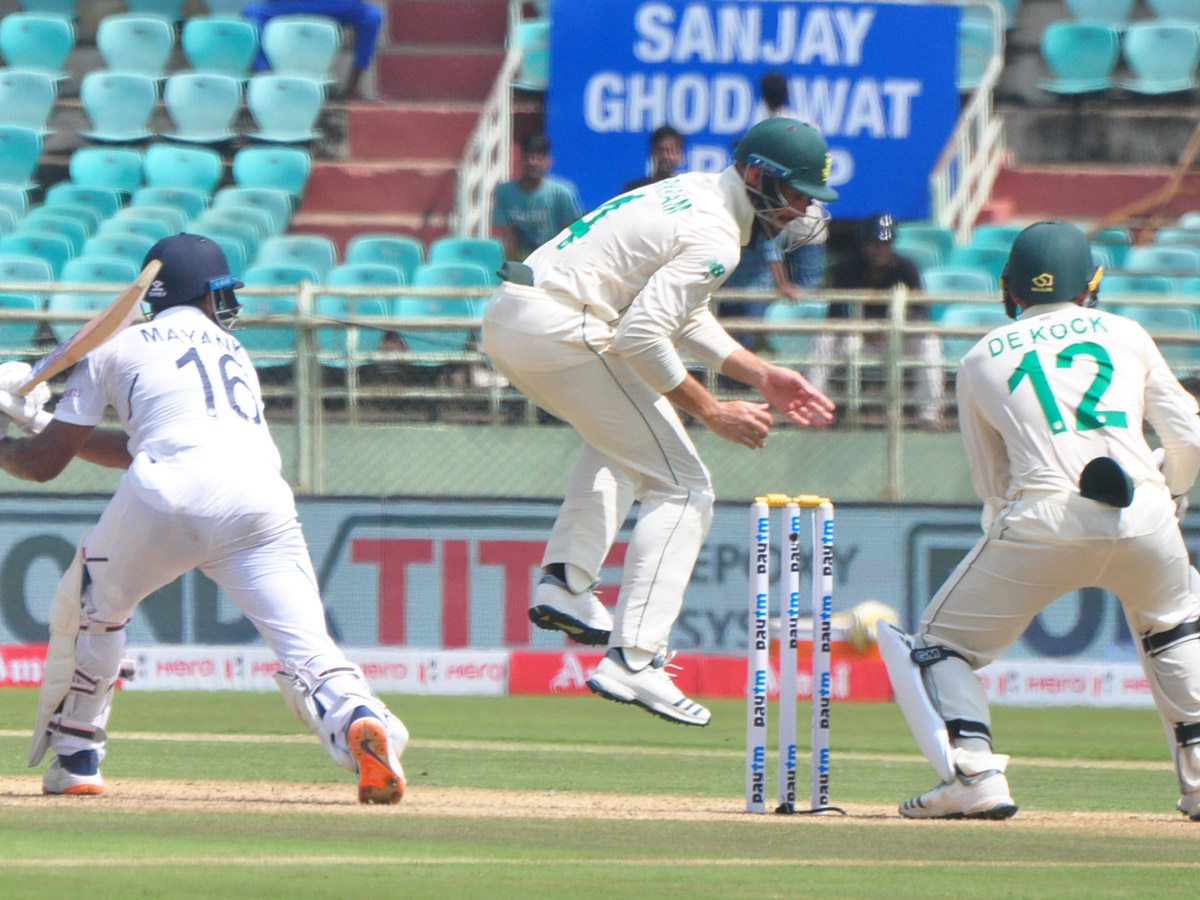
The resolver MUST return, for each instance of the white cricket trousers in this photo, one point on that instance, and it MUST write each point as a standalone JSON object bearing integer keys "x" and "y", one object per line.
{"x": 636, "y": 448}
{"x": 1046, "y": 544}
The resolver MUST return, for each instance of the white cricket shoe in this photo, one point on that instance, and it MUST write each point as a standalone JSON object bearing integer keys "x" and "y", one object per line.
{"x": 582, "y": 617}
{"x": 650, "y": 688}
{"x": 983, "y": 795}
{"x": 1189, "y": 805}
{"x": 77, "y": 774}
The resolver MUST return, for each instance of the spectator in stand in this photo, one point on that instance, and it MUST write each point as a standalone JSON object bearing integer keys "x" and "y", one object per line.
{"x": 364, "y": 18}
{"x": 875, "y": 265}
{"x": 666, "y": 156}
{"x": 806, "y": 264}
{"x": 532, "y": 209}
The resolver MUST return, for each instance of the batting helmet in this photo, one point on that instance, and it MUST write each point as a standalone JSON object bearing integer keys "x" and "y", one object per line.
{"x": 1050, "y": 262}
{"x": 194, "y": 269}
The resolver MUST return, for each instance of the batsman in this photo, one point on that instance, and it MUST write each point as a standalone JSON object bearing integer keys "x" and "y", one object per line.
{"x": 1051, "y": 410}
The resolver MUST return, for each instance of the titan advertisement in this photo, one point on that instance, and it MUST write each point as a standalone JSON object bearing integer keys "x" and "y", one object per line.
{"x": 458, "y": 574}
{"x": 877, "y": 79}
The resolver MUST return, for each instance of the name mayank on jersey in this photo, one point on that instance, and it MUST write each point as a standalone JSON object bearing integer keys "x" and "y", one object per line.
{"x": 151, "y": 334}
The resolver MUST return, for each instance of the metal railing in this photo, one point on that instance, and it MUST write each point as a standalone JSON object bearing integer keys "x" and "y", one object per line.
{"x": 962, "y": 179}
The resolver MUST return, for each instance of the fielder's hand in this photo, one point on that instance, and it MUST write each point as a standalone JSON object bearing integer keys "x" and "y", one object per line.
{"x": 26, "y": 411}
{"x": 790, "y": 393}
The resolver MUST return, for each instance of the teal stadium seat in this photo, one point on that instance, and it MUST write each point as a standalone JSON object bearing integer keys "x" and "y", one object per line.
{"x": 924, "y": 255}
{"x": 793, "y": 347}
{"x": 991, "y": 259}
{"x": 1111, "y": 12}
{"x": 451, "y": 340}
{"x": 171, "y": 10}
{"x": 14, "y": 197}
{"x": 43, "y": 222}
{"x": 26, "y": 98}
{"x": 82, "y": 305}
{"x": 225, "y": 8}
{"x": 485, "y": 252}
{"x": 284, "y": 107}
{"x": 67, "y": 9}
{"x": 284, "y": 168}
{"x": 532, "y": 37}
{"x": 336, "y": 344}
{"x": 993, "y": 234}
{"x": 189, "y": 201}
{"x": 399, "y": 251}
{"x": 269, "y": 346}
{"x": 1103, "y": 256}
{"x": 32, "y": 40}
{"x": 313, "y": 250}
{"x": 1164, "y": 323}
{"x": 203, "y": 106}
{"x": 976, "y": 47}
{"x": 1081, "y": 57}
{"x": 100, "y": 270}
{"x": 301, "y": 45}
{"x": 131, "y": 42}
{"x": 171, "y": 165}
{"x": 147, "y": 227}
{"x": 110, "y": 168}
{"x": 8, "y": 220}
{"x": 84, "y": 215}
{"x": 1188, "y": 286}
{"x": 1174, "y": 235}
{"x": 273, "y": 201}
{"x": 103, "y": 200}
{"x": 220, "y": 44}
{"x": 1122, "y": 284}
{"x": 20, "y": 149}
{"x": 938, "y": 235}
{"x": 173, "y": 218}
{"x": 980, "y": 318}
{"x": 955, "y": 282}
{"x": 18, "y": 339}
{"x": 279, "y": 276}
{"x": 129, "y": 247}
{"x": 23, "y": 267}
{"x": 1163, "y": 259}
{"x": 259, "y": 221}
{"x": 1182, "y": 10}
{"x": 1163, "y": 57}
{"x": 53, "y": 248}
{"x": 118, "y": 105}
{"x": 1116, "y": 240}
{"x": 1189, "y": 219}
{"x": 231, "y": 245}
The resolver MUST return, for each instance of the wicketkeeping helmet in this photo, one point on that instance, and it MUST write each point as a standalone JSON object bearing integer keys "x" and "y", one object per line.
{"x": 790, "y": 152}
{"x": 1050, "y": 262}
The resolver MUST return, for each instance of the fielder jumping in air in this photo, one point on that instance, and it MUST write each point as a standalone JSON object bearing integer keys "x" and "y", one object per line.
{"x": 588, "y": 328}
{"x": 202, "y": 490}
{"x": 1051, "y": 410}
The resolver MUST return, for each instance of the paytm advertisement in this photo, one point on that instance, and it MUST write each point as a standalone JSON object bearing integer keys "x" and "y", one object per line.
{"x": 878, "y": 80}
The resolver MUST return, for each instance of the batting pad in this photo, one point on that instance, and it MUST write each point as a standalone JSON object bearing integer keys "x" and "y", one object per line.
{"x": 923, "y": 721}
{"x": 60, "y": 654}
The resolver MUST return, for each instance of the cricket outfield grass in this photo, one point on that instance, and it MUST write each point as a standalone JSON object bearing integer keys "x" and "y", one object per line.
{"x": 223, "y": 795}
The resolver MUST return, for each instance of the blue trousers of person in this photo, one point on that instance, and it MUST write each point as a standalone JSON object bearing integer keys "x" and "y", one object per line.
{"x": 364, "y": 18}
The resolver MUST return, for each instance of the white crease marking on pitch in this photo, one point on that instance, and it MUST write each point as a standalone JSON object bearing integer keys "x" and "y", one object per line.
{"x": 612, "y": 749}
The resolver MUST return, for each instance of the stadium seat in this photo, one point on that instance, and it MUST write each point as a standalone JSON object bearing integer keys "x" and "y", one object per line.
{"x": 399, "y": 251}
{"x": 172, "y": 217}
{"x": 962, "y": 281}
{"x": 315, "y": 251}
{"x": 485, "y": 252}
{"x": 1188, "y": 286}
{"x": 976, "y": 47}
{"x": 268, "y": 346}
{"x": 792, "y": 347}
{"x": 45, "y": 220}
{"x": 301, "y": 45}
{"x": 1182, "y": 10}
{"x": 103, "y": 200}
{"x": 14, "y": 197}
{"x": 442, "y": 275}
{"x": 188, "y": 201}
{"x": 938, "y": 235}
{"x": 924, "y": 255}
{"x": 1121, "y": 284}
{"x": 285, "y": 168}
{"x": 129, "y": 247}
{"x": 225, "y": 8}
{"x": 261, "y": 223}
{"x": 284, "y": 107}
{"x": 68, "y": 9}
{"x": 991, "y": 259}
{"x": 225, "y": 46}
{"x": 995, "y": 235}
{"x": 532, "y": 38}
{"x": 151, "y": 228}
{"x": 20, "y": 149}
{"x": 1116, "y": 240}
{"x": 229, "y": 226}
{"x": 38, "y": 41}
{"x": 279, "y": 276}
{"x": 198, "y": 168}
{"x": 1081, "y": 57}
{"x": 1103, "y": 256}
{"x": 1164, "y": 321}
{"x": 82, "y": 305}
{"x": 111, "y": 168}
{"x": 26, "y": 98}
{"x": 119, "y": 105}
{"x": 231, "y": 245}
{"x": 337, "y": 342}
{"x": 8, "y": 220}
{"x": 172, "y": 10}
{"x": 53, "y": 248}
{"x": 131, "y": 42}
{"x": 203, "y": 106}
{"x": 85, "y": 215}
{"x": 273, "y": 201}
{"x": 100, "y": 270}
{"x": 1189, "y": 219}
{"x": 1110, "y": 12}
{"x": 17, "y": 339}
{"x": 982, "y": 318}
{"x": 1173, "y": 235}
{"x": 1166, "y": 259}
{"x": 23, "y": 267}
{"x": 1162, "y": 56}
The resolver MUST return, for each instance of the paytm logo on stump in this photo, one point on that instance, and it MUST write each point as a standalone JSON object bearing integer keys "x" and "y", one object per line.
{"x": 885, "y": 111}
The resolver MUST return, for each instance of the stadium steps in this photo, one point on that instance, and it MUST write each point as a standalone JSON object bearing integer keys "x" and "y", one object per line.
{"x": 1080, "y": 191}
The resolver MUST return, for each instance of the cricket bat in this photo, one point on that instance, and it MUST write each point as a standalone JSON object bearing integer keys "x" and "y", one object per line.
{"x": 102, "y": 326}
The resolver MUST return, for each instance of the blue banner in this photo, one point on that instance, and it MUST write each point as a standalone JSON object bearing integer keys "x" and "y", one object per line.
{"x": 877, "y": 79}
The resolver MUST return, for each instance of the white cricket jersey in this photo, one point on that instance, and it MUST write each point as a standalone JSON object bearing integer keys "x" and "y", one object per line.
{"x": 647, "y": 262}
{"x": 1042, "y": 397}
